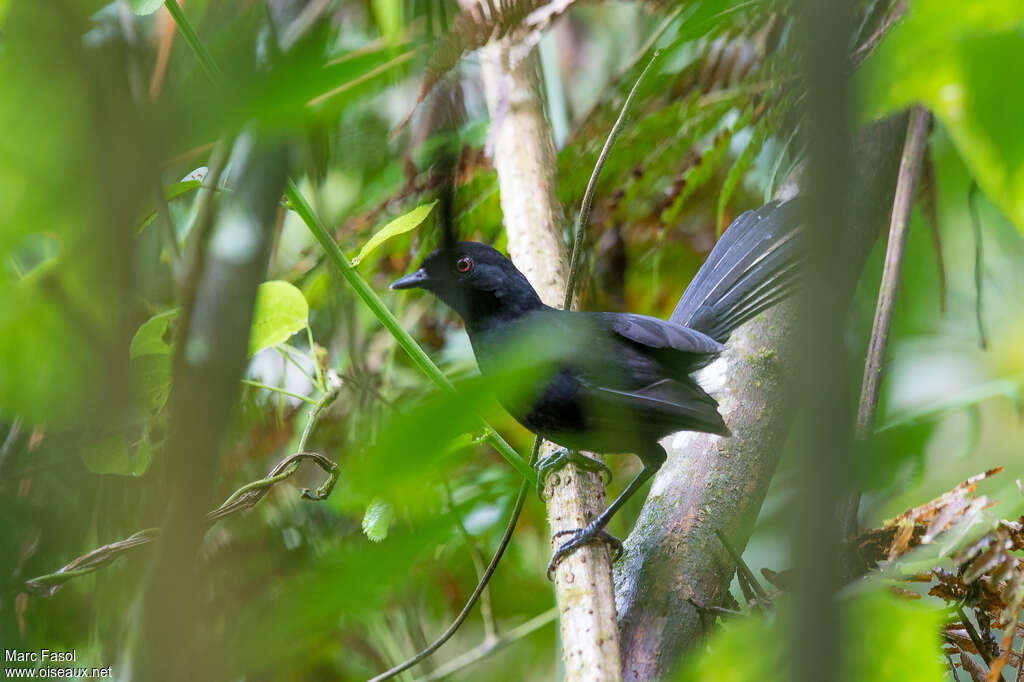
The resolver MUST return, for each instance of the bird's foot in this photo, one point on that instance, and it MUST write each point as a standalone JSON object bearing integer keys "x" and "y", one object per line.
{"x": 559, "y": 459}
{"x": 581, "y": 536}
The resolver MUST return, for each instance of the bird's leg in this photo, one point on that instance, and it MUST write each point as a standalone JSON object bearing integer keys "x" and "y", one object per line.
{"x": 595, "y": 529}
{"x": 559, "y": 459}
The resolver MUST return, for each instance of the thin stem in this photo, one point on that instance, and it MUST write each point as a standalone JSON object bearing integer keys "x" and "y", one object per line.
{"x": 192, "y": 38}
{"x": 910, "y": 169}
{"x": 166, "y": 223}
{"x": 295, "y": 363}
{"x": 486, "y": 608}
{"x": 275, "y": 389}
{"x": 588, "y": 196}
{"x": 244, "y": 498}
{"x": 972, "y": 203}
{"x": 975, "y": 638}
{"x": 318, "y": 409}
{"x": 906, "y": 182}
{"x": 316, "y": 360}
{"x": 488, "y": 647}
{"x": 517, "y": 507}
{"x": 372, "y": 301}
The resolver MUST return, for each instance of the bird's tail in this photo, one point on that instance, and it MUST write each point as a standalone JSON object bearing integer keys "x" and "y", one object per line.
{"x": 754, "y": 265}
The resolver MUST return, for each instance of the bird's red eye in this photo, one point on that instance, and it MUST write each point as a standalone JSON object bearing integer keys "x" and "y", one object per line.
{"x": 464, "y": 264}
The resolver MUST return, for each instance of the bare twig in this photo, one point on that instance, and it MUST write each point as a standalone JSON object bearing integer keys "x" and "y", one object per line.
{"x": 972, "y": 202}
{"x": 975, "y": 637}
{"x": 741, "y": 566}
{"x": 714, "y": 610}
{"x": 865, "y": 48}
{"x": 246, "y": 497}
{"x": 588, "y": 196}
{"x": 486, "y": 607}
{"x": 952, "y": 668}
{"x": 910, "y": 169}
{"x": 517, "y": 507}
{"x": 488, "y": 647}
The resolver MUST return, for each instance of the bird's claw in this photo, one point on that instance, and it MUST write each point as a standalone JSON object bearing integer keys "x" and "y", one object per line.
{"x": 581, "y": 536}
{"x": 559, "y": 459}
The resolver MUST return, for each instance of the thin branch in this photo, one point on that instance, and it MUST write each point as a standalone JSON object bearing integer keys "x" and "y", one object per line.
{"x": 517, "y": 507}
{"x": 192, "y": 38}
{"x": 588, "y": 196}
{"x": 865, "y": 48}
{"x": 741, "y": 565}
{"x": 276, "y": 389}
{"x": 972, "y": 202}
{"x": 975, "y": 638}
{"x": 486, "y": 606}
{"x": 952, "y": 668}
{"x": 166, "y": 224}
{"x": 714, "y": 610}
{"x": 295, "y": 363}
{"x": 488, "y": 647}
{"x": 910, "y": 169}
{"x": 246, "y": 497}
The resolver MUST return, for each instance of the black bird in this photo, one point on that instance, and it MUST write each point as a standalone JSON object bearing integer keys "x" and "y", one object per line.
{"x": 625, "y": 380}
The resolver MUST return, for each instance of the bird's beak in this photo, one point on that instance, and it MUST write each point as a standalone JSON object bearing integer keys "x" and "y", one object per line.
{"x": 416, "y": 280}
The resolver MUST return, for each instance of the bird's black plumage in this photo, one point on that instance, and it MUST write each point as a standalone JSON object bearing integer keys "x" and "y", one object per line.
{"x": 624, "y": 381}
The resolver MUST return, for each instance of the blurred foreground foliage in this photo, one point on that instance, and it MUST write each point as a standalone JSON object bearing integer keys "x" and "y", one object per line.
{"x": 110, "y": 126}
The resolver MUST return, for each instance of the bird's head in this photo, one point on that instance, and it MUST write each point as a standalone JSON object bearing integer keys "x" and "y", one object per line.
{"x": 474, "y": 279}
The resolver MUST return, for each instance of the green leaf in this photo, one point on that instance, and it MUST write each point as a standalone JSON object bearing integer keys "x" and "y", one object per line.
{"x": 144, "y": 7}
{"x": 190, "y": 182}
{"x": 151, "y": 377}
{"x": 884, "y": 639}
{"x": 377, "y": 520}
{"x": 155, "y": 336}
{"x": 281, "y": 310}
{"x": 399, "y": 225}
{"x": 115, "y": 455}
{"x": 962, "y": 60}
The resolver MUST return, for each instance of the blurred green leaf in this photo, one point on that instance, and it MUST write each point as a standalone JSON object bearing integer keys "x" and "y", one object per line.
{"x": 399, "y": 225}
{"x": 151, "y": 377}
{"x": 885, "y": 639}
{"x": 962, "y": 60}
{"x": 144, "y": 7}
{"x": 388, "y": 14}
{"x": 281, "y": 310}
{"x": 115, "y": 455}
{"x": 155, "y": 336}
{"x": 377, "y": 520}
{"x": 173, "y": 192}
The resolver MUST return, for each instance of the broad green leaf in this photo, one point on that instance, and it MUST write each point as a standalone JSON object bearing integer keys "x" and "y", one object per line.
{"x": 143, "y": 7}
{"x": 281, "y": 310}
{"x": 115, "y": 455}
{"x": 399, "y": 225}
{"x": 151, "y": 377}
{"x": 155, "y": 335}
{"x": 962, "y": 60}
{"x": 377, "y": 520}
